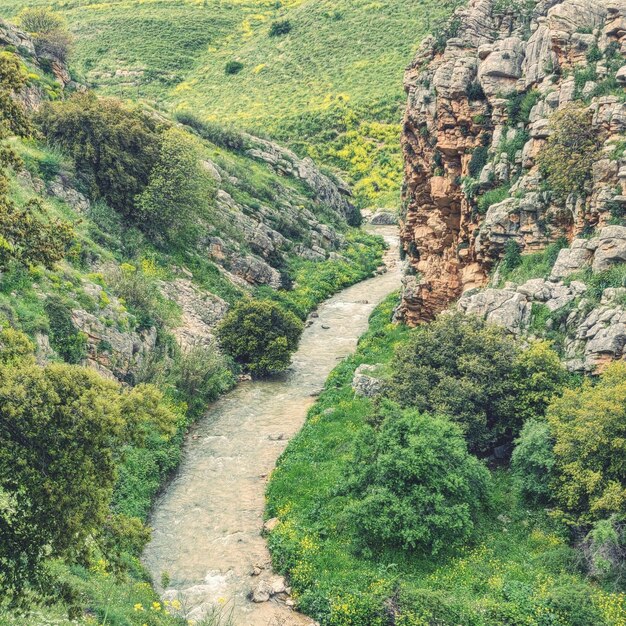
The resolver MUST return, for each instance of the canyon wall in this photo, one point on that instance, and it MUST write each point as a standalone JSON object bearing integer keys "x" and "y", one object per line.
{"x": 481, "y": 95}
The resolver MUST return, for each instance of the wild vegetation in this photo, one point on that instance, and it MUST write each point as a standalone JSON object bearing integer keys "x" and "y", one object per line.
{"x": 326, "y": 79}
{"x": 83, "y": 456}
{"x": 392, "y": 486}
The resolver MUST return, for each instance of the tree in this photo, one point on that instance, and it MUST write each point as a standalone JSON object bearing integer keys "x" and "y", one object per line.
{"x": 537, "y": 377}
{"x": 589, "y": 429}
{"x": 61, "y": 428}
{"x": 114, "y": 148}
{"x": 260, "y": 336}
{"x": 179, "y": 192}
{"x": 27, "y": 234}
{"x": 533, "y": 462}
{"x": 567, "y": 159}
{"x": 49, "y": 31}
{"x": 414, "y": 485}
{"x": 460, "y": 366}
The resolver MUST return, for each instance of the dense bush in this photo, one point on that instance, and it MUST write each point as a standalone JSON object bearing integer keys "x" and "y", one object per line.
{"x": 280, "y": 27}
{"x": 589, "y": 429}
{"x": 233, "y": 67}
{"x": 476, "y": 374}
{"x": 533, "y": 462}
{"x": 201, "y": 374}
{"x": 114, "y": 148}
{"x": 460, "y": 366}
{"x": 49, "y": 31}
{"x": 179, "y": 192}
{"x": 567, "y": 159}
{"x": 65, "y": 338}
{"x": 260, "y": 336}
{"x": 416, "y": 485}
{"x": 27, "y": 234}
{"x": 61, "y": 428}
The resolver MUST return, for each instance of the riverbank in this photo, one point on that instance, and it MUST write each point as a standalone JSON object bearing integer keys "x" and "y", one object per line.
{"x": 207, "y": 524}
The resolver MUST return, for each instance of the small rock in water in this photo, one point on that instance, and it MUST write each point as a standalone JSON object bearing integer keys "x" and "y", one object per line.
{"x": 325, "y": 327}
{"x": 278, "y": 437}
{"x": 256, "y": 570}
{"x": 315, "y": 314}
{"x": 290, "y": 603}
{"x": 262, "y": 592}
{"x": 271, "y": 524}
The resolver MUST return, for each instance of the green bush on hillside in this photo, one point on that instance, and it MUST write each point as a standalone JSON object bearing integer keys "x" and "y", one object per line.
{"x": 533, "y": 462}
{"x": 49, "y": 31}
{"x": 460, "y": 366}
{"x": 476, "y": 374}
{"x": 179, "y": 193}
{"x": 27, "y": 234}
{"x": 567, "y": 159}
{"x": 61, "y": 430}
{"x": 65, "y": 338}
{"x": 589, "y": 429}
{"x": 260, "y": 336}
{"x": 414, "y": 484}
{"x": 114, "y": 148}
{"x": 233, "y": 67}
{"x": 280, "y": 27}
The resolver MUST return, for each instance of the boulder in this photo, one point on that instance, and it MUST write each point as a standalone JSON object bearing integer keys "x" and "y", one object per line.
{"x": 364, "y": 384}
{"x": 262, "y": 592}
{"x": 610, "y": 248}
{"x": 571, "y": 260}
{"x": 384, "y": 218}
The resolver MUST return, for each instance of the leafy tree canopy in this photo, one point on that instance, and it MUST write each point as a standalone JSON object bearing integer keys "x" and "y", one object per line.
{"x": 260, "y": 336}
{"x": 417, "y": 486}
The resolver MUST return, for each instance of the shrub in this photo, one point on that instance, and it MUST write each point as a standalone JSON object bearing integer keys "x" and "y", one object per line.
{"x": 512, "y": 255}
{"x": 233, "y": 67}
{"x": 567, "y": 159}
{"x": 219, "y": 134}
{"x": 491, "y": 197}
{"x": 417, "y": 486}
{"x": 65, "y": 338}
{"x": 538, "y": 376}
{"x": 281, "y": 27}
{"x": 179, "y": 192}
{"x": 589, "y": 429}
{"x": 478, "y": 161}
{"x": 201, "y": 374}
{"x": 114, "y": 148}
{"x": 533, "y": 462}
{"x": 260, "y": 336}
{"x": 49, "y": 31}
{"x": 140, "y": 292}
{"x": 475, "y": 91}
{"x": 61, "y": 428}
{"x": 460, "y": 366}
{"x": 27, "y": 234}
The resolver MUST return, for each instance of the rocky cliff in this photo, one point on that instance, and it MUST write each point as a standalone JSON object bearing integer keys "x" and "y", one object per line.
{"x": 481, "y": 99}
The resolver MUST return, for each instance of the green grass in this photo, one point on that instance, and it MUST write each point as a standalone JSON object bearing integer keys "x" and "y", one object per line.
{"x": 332, "y": 87}
{"x": 517, "y": 571}
{"x": 533, "y": 265}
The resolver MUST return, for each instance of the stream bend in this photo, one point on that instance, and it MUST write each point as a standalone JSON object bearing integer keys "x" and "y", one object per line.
{"x": 207, "y": 523}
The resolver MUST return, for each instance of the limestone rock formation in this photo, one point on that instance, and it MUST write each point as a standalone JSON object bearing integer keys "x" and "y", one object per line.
{"x": 480, "y": 99}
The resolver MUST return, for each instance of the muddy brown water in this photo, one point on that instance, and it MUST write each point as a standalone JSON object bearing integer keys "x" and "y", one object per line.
{"x": 207, "y": 524}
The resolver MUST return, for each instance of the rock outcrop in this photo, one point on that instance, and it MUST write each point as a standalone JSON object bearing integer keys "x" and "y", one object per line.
{"x": 34, "y": 93}
{"x": 479, "y": 105}
{"x": 592, "y": 326}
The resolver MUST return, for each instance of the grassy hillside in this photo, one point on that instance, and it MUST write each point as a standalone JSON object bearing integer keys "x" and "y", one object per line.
{"x": 331, "y": 87}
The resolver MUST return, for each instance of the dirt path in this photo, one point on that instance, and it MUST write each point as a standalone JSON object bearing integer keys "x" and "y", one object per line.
{"x": 207, "y": 525}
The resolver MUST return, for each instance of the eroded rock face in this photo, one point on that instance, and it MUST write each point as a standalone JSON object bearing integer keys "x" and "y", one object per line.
{"x": 460, "y": 140}
{"x": 22, "y": 43}
{"x": 594, "y": 332}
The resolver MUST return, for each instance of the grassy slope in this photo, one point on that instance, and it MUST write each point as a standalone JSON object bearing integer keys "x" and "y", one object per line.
{"x": 331, "y": 88}
{"x": 511, "y": 575}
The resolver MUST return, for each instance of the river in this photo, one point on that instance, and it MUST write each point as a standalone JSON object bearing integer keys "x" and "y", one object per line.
{"x": 207, "y": 523}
